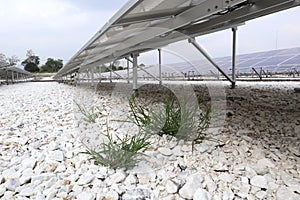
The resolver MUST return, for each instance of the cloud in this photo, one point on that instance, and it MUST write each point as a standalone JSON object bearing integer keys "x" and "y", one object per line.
{"x": 49, "y": 27}
{"x": 59, "y": 28}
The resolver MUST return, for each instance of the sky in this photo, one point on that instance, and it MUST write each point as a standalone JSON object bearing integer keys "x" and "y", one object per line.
{"x": 59, "y": 28}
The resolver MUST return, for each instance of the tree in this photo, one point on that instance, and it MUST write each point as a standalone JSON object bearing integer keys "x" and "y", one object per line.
{"x": 31, "y": 62}
{"x": 3, "y": 60}
{"x": 13, "y": 60}
{"x": 8, "y": 61}
{"x": 52, "y": 65}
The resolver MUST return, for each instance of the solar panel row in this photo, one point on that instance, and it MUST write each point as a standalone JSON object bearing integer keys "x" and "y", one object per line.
{"x": 275, "y": 61}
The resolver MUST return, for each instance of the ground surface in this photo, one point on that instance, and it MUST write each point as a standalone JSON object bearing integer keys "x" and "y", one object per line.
{"x": 257, "y": 156}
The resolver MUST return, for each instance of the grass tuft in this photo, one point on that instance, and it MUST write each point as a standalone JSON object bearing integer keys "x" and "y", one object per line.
{"x": 121, "y": 152}
{"x": 90, "y": 115}
{"x": 182, "y": 121}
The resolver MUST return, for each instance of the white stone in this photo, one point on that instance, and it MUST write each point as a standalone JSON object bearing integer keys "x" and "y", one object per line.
{"x": 51, "y": 182}
{"x": 56, "y": 156}
{"x": 27, "y": 192}
{"x": 250, "y": 172}
{"x": 186, "y": 148}
{"x": 26, "y": 176}
{"x": 191, "y": 186}
{"x": 62, "y": 194}
{"x": 144, "y": 172}
{"x": 260, "y": 169}
{"x": 28, "y": 163}
{"x": 286, "y": 194}
{"x": 171, "y": 187}
{"x": 40, "y": 196}
{"x": 69, "y": 154}
{"x": 102, "y": 173}
{"x": 60, "y": 168}
{"x": 51, "y": 195}
{"x": 202, "y": 148}
{"x": 261, "y": 194}
{"x": 12, "y": 184}
{"x": 228, "y": 195}
{"x": 10, "y": 173}
{"x": 266, "y": 162}
{"x": 52, "y": 146}
{"x": 177, "y": 151}
{"x": 112, "y": 195}
{"x": 292, "y": 183}
{"x": 225, "y": 177}
{"x": 42, "y": 177}
{"x": 211, "y": 186}
{"x": 73, "y": 177}
{"x": 77, "y": 189}
{"x": 131, "y": 180}
{"x": 295, "y": 151}
{"x": 259, "y": 181}
{"x": 2, "y": 189}
{"x": 8, "y": 195}
{"x": 85, "y": 196}
{"x": 202, "y": 194}
{"x": 244, "y": 191}
{"x": 136, "y": 194}
{"x": 85, "y": 179}
{"x": 165, "y": 151}
{"x": 118, "y": 177}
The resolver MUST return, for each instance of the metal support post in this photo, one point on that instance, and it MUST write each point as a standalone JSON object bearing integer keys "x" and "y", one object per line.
{"x": 258, "y": 74}
{"x": 100, "y": 68}
{"x": 202, "y": 51}
{"x": 92, "y": 76}
{"x": 135, "y": 75}
{"x": 12, "y": 77}
{"x": 6, "y": 77}
{"x": 233, "y": 57}
{"x": 110, "y": 72}
{"x": 128, "y": 79}
{"x": 159, "y": 66}
{"x": 88, "y": 75}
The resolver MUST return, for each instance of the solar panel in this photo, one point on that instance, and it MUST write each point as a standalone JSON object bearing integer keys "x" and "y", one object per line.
{"x": 250, "y": 63}
{"x": 273, "y": 61}
{"x": 143, "y": 25}
{"x": 292, "y": 61}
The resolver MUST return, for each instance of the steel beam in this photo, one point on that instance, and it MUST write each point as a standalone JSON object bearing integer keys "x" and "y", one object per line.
{"x": 135, "y": 74}
{"x": 128, "y": 78}
{"x": 233, "y": 57}
{"x": 202, "y": 51}
{"x": 151, "y": 75}
{"x": 92, "y": 77}
{"x": 110, "y": 72}
{"x": 256, "y": 72}
{"x": 159, "y": 66}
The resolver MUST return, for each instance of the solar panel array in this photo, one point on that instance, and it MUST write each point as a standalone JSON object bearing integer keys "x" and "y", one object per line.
{"x": 12, "y": 73}
{"x": 275, "y": 61}
{"x": 282, "y": 60}
{"x": 144, "y": 25}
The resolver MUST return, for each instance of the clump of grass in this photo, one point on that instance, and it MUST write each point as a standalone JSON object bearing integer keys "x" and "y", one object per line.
{"x": 90, "y": 114}
{"x": 182, "y": 121}
{"x": 119, "y": 153}
{"x": 140, "y": 114}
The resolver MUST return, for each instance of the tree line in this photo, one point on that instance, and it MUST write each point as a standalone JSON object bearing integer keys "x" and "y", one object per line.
{"x": 32, "y": 63}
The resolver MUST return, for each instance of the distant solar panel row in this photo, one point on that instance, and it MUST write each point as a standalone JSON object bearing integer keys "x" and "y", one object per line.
{"x": 283, "y": 60}
{"x": 12, "y": 73}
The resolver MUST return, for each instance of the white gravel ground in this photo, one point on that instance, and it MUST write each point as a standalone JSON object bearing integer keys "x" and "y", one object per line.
{"x": 258, "y": 156}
